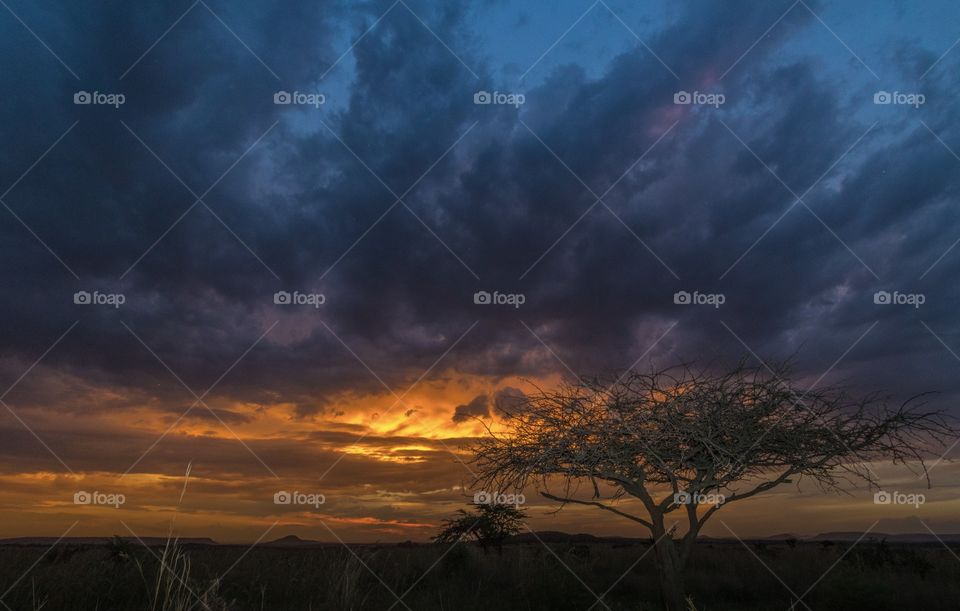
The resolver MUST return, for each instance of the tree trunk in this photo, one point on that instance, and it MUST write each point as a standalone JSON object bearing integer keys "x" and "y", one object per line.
{"x": 670, "y": 570}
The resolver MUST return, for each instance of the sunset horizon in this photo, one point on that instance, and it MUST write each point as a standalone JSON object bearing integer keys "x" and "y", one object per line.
{"x": 354, "y": 271}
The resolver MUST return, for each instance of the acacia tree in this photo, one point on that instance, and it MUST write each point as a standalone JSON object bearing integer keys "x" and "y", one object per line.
{"x": 674, "y": 438}
{"x": 489, "y": 524}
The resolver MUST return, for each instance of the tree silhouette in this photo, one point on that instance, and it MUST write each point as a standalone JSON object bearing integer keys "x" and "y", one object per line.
{"x": 678, "y": 439}
{"x": 488, "y": 524}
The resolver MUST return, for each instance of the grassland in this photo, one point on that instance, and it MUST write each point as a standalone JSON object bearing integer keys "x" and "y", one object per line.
{"x": 724, "y": 576}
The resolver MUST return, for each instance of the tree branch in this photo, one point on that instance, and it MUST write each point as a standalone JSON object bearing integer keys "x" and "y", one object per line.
{"x": 565, "y": 500}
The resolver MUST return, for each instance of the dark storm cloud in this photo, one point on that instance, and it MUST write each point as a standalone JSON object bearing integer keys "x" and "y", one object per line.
{"x": 508, "y": 400}
{"x": 478, "y": 407}
{"x": 300, "y": 199}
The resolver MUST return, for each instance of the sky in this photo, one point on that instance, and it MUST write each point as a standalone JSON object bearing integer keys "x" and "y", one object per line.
{"x": 257, "y": 247}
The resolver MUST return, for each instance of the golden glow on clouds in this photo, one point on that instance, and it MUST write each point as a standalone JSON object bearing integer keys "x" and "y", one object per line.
{"x": 389, "y": 471}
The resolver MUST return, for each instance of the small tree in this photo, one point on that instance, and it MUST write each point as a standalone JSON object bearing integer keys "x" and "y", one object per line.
{"x": 676, "y": 438}
{"x": 488, "y": 524}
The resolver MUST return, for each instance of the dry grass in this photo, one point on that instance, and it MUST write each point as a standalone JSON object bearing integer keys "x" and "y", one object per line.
{"x": 724, "y": 577}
